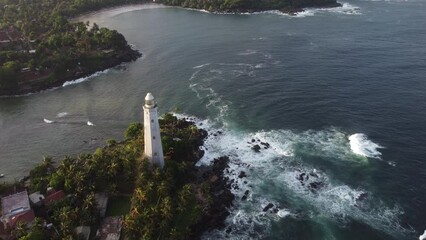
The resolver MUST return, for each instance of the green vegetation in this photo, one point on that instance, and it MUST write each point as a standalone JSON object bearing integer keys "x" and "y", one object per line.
{"x": 156, "y": 203}
{"x": 164, "y": 204}
{"x": 250, "y": 5}
{"x": 118, "y": 205}
{"x": 40, "y": 48}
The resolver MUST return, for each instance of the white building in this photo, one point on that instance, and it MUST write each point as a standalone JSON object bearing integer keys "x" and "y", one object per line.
{"x": 153, "y": 147}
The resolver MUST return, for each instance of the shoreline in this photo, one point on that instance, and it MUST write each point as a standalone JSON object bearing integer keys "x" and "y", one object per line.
{"x": 120, "y": 9}
{"x": 66, "y": 83}
{"x": 211, "y": 189}
{"x": 117, "y": 10}
{"x": 130, "y": 54}
{"x": 126, "y": 56}
{"x": 286, "y": 11}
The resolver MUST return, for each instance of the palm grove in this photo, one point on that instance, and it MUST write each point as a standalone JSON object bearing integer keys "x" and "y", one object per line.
{"x": 165, "y": 204}
{"x": 41, "y": 48}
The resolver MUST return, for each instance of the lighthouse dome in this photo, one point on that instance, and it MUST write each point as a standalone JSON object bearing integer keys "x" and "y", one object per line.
{"x": 149, "y": 100}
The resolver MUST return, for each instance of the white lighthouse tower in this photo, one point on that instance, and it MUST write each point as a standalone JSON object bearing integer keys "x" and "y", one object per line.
{"x": 153, "y": 147}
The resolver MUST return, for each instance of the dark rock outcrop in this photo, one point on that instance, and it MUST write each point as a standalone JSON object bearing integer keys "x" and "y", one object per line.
{"x": 220, "y": 191}
{"x": 242, "y": 174}
{"x": 269, "y": 206}
{"x": 256, "y": 148}
{"x": 246, "y": 193}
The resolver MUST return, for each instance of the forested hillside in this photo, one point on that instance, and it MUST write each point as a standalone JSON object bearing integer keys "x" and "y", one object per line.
{"x": 251, "y": 5}
{"x": 40, "y": 48}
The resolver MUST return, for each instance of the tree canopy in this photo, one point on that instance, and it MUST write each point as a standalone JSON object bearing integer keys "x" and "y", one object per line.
{"x": 39, "y": 45}
{"x": 165, "y": 203}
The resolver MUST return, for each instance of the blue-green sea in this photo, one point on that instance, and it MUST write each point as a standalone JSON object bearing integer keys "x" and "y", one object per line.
{"x": 338, "y": 95}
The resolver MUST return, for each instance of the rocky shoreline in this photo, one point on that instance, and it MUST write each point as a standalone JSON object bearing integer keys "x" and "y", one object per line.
{"x": 222, "y": 197}
{"x": 295, "y": 11}
{"x": 292, "y": 11}
{"x": 127, "y": 55}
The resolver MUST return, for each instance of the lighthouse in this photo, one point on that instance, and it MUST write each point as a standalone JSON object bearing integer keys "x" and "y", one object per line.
{"x": 153, "y": 147}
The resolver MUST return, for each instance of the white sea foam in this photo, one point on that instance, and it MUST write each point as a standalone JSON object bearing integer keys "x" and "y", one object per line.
{"x": 47, "y": 120}
{"x": 260, "y": 65}
{"x": 259, "y": 39}
{"x": 393, "y": 164}
{"x": 202, "y": 65}
{"x": 423, "y": 236}
{"x": 67, "y": 83}
{"x": 247, "y": 52}
{"x": 206, "y": 76}
{"x": 283, "y": 213}
{"x": 337, "y": 201}
{"x": 281, "y": 165}
{"x": 61, "y": 114}
{"x": 345, "y": 9}
{"x": 80, "y": 80}
{"x": 304, "y": 13}
{"x": 361, "y": 145}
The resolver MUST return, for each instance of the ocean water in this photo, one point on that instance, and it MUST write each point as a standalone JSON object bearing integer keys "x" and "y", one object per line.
{"x": 335, "y": 98}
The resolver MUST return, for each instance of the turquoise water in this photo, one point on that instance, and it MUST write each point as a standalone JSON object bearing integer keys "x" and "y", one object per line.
{"x": 338, "y": 94}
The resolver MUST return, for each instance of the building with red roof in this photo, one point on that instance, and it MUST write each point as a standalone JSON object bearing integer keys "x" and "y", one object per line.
{"x": 26, "y": 218}
{"x": 54, "y": 197}
{"x": 15, "y": 207}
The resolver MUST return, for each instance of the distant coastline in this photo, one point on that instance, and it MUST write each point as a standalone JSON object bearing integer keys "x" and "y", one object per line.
{"x": 289, "y": 7}
{"x": 27, "y": 79}
{"x": 125, "y": 56}
{"x": 49, "y": 50}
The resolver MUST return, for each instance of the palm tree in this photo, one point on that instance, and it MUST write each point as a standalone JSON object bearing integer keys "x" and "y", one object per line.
{"x": 89, "y": 202}
{"x": 48, "y": 161}
{"x": 167, "y": 208}
{"x": 139, "y": 195}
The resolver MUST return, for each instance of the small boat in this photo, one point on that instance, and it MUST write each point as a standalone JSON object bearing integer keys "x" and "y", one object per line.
{"x": 1, "y": 175}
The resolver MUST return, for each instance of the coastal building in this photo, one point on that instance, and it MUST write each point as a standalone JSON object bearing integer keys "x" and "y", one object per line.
{"x": 153, "y": 147}
{"x": 16, "y": 208}
{"x": 54, "y": 197}
{"x": 36, "y": 199}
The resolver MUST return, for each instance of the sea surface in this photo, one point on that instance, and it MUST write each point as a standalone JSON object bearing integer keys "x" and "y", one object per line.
{"x": 336, "y": 96}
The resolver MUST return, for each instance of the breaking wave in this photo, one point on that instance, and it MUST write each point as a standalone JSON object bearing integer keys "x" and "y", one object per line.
{"x": 277, "y": 174}
{"x": 345, "y": 9}
{"x": 83, "y": 79}
{"x": 361, "y": 145}
{"x": 278, "y": 166}
{"x": 423, "y": 236}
